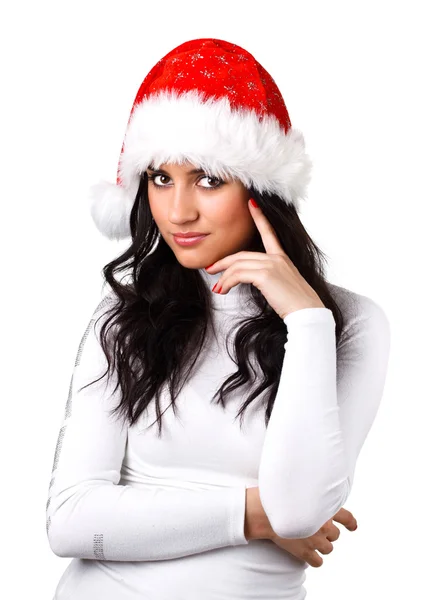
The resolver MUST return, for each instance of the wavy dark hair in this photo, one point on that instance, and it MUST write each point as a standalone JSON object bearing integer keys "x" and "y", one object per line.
{"x": 157, "y": 323}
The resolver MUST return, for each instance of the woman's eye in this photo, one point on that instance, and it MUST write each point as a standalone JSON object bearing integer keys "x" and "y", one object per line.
{"x": 218, "y": 182}
{"x": 154, "y": 178}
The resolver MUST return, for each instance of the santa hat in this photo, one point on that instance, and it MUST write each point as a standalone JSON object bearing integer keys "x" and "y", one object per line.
{"x": 211, "y": 103}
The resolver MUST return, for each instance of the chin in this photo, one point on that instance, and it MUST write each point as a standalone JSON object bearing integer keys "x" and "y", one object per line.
{"x": 193, "y": 262}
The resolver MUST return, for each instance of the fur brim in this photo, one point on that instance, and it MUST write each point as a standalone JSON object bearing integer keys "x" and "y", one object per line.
{"x": 170, "y": 127}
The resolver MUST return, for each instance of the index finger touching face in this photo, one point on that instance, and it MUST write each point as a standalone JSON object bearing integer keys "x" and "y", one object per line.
{"x": 271, "y": 242}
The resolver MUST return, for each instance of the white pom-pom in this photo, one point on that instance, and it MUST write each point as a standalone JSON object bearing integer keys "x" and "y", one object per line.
{"x": 111, "y": 205}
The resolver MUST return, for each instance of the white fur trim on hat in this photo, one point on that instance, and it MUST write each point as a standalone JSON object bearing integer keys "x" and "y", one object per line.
{"x": 111, "y": 205}
{"x": 174, "y": 127}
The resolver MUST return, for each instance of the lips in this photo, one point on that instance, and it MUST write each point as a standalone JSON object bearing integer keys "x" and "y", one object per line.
{"x": 189, "y": 240}
{"x": 189, "y": 234}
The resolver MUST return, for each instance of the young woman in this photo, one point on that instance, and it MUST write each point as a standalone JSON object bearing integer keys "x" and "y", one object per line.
{"x": 222, "y": 393}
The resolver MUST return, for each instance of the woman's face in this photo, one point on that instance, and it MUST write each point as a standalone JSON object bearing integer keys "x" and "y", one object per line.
{"x": 182, "y": 201}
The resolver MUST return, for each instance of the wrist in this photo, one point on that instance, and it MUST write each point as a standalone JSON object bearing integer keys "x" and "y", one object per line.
{"x": 257, "y": 525}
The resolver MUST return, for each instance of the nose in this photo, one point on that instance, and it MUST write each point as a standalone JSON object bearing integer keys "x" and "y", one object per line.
{"x": 182, "y": 205}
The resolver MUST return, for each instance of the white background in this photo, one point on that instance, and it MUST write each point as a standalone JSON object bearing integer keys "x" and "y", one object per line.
{"x": 350, "y": 77}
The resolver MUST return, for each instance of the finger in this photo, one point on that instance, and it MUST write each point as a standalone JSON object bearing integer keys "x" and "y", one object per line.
{"x": 313, "y": 558}
{"x": 333, "y": 533}
{"x": 325, "y": 547}
{"x": 244, "y": 271}
{"x": 346, "y": 518}
{"x": 270, "y": 240}
{"x": 224, "y": 263}
{"x": 330, "y": 531}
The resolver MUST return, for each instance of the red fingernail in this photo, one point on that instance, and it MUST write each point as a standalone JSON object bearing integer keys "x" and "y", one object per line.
{"x": 210, "y": 266}
{"x": 252, "y": 201}
{"x": 214, "y": 287}
{"x": 219, "y": 289}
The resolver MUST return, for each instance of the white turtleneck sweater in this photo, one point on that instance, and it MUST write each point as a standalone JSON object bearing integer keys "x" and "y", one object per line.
{"x": 163, "y": 519}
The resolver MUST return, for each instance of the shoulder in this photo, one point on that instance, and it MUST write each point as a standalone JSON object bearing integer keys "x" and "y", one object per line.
{"x": 103, "y": 310}
{"x": 364, "y": 318}
{"x": 107, "y": 302}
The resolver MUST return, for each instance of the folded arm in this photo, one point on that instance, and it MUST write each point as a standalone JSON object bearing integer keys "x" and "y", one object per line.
{"x": 326, "y": 402}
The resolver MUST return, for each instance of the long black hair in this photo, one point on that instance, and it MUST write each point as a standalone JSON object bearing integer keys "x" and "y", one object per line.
{"x": 157, "y": 323}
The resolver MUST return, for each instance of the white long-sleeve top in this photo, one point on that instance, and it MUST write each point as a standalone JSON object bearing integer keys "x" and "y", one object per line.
{"x": 163, "y": 518}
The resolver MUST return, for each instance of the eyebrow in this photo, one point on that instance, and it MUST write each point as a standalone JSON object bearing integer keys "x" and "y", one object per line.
{"x": 191, "y": 172}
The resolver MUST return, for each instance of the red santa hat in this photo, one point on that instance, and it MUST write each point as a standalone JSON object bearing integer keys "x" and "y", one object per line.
{"x": 211, "y": 103}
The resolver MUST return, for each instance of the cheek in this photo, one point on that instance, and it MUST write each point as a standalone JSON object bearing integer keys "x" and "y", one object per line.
{"x": 234, "y": 216}
{"x": 155, "y": 208}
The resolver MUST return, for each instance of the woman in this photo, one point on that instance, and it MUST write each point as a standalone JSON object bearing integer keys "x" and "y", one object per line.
{"x": 273, "y": 375}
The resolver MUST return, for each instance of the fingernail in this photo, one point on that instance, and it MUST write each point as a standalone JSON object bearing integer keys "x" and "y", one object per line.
{"x": 252, "y": 201}
{"x": 210, "y": 266}
{"x": 215, "y": 285}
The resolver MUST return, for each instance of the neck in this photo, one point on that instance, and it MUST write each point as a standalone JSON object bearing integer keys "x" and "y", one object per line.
{"x": 232, "y": 300}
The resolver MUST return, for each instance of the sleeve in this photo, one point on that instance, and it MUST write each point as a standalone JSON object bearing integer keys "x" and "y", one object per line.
{"x": 89, "y": 515}
{"x": 325, "y": 405}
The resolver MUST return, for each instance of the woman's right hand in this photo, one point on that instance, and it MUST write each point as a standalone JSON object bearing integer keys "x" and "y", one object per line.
{"x": 306, "y": 548}
{"x": 257, "y": 526}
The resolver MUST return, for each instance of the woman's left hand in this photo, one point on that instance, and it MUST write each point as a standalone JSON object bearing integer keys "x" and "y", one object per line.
{"x": 272, "y": 272}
